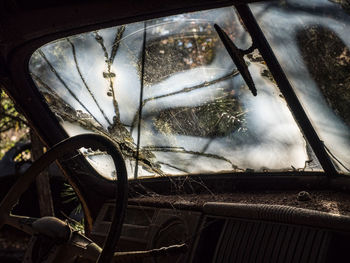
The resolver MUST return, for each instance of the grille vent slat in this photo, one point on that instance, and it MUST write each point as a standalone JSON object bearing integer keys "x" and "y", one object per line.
{"x": 245, "y": 241}
{"x": 252, "y": 240}
{"x": 285, "y": 243}
{"x": 316, "y": 246}
{"x": 243, "y": 251}
{"x": 293, "y": 243}
{"x": 301, "y": 245}
{"x": 305, "y": 257}
{"x": 279, "y": 242}
{"x": 264, "y": 243}
{"x": 258, "y": 240}
{"x": 232, "y": 243}
{"x": 271, "y": 244}
{"x": 227, "y": 231}
{"x": 239, "y": 238}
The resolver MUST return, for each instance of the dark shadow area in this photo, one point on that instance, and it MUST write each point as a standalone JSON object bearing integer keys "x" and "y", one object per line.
{"x": 345, "y": 4}
{"x": 13, "y": 244}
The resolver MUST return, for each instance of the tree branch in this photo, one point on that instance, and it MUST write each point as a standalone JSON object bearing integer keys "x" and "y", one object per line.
{"x": 235, "y": 72}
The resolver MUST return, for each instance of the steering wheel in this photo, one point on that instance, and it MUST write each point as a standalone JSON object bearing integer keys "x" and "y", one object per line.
{"x": 54, "y": 227}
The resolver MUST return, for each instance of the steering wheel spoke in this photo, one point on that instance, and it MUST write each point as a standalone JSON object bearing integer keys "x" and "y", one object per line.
{"x": 55, "y": 228}
{"x": 23, "y": 223}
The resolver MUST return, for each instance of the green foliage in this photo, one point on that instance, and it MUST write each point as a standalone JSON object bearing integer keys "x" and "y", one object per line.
{"x": 13, "y": 126}
{"x": 9, "y": 116}
{"x": 68, "y": 195}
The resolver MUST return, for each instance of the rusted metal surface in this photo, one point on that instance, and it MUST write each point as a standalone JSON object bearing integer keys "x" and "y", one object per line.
{"x": 43, "y": 180}
{"x": 136, "y": 256}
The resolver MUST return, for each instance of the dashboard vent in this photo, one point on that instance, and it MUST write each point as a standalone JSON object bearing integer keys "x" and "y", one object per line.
{"x": 254, "y": 241}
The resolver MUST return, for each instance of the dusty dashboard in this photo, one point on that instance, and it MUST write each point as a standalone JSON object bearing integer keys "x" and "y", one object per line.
{"x": 236, "y": 227}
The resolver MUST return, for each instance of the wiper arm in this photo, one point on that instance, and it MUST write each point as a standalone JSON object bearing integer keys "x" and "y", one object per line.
{"x": 237, "y": 56}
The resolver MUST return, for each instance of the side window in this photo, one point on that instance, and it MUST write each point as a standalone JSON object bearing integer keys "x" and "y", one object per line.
{"x": 311, "y": 40}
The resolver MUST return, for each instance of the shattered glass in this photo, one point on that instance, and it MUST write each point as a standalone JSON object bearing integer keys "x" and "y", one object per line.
{"x": 168, "y": 94}
{"x": 311, "y": 40}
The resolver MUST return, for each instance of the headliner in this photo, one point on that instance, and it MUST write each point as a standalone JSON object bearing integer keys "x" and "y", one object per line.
{"x": 22, "y": 21}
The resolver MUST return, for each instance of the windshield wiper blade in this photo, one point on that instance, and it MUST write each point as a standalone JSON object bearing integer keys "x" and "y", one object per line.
{"x": 237, "y": 56}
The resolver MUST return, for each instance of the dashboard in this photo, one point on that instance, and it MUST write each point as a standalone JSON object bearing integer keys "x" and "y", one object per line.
{"x": 233, "y": 232}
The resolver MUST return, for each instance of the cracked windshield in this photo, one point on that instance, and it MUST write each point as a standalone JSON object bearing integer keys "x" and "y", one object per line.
{"x": 169, "y": 95}
{"x": 311, "y": 40}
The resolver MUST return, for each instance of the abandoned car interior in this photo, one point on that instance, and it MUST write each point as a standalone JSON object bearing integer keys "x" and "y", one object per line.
{"x": 182, "y": 131}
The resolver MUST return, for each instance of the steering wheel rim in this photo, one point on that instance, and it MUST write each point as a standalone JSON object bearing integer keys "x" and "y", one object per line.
{"x": 93, "y": 141}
